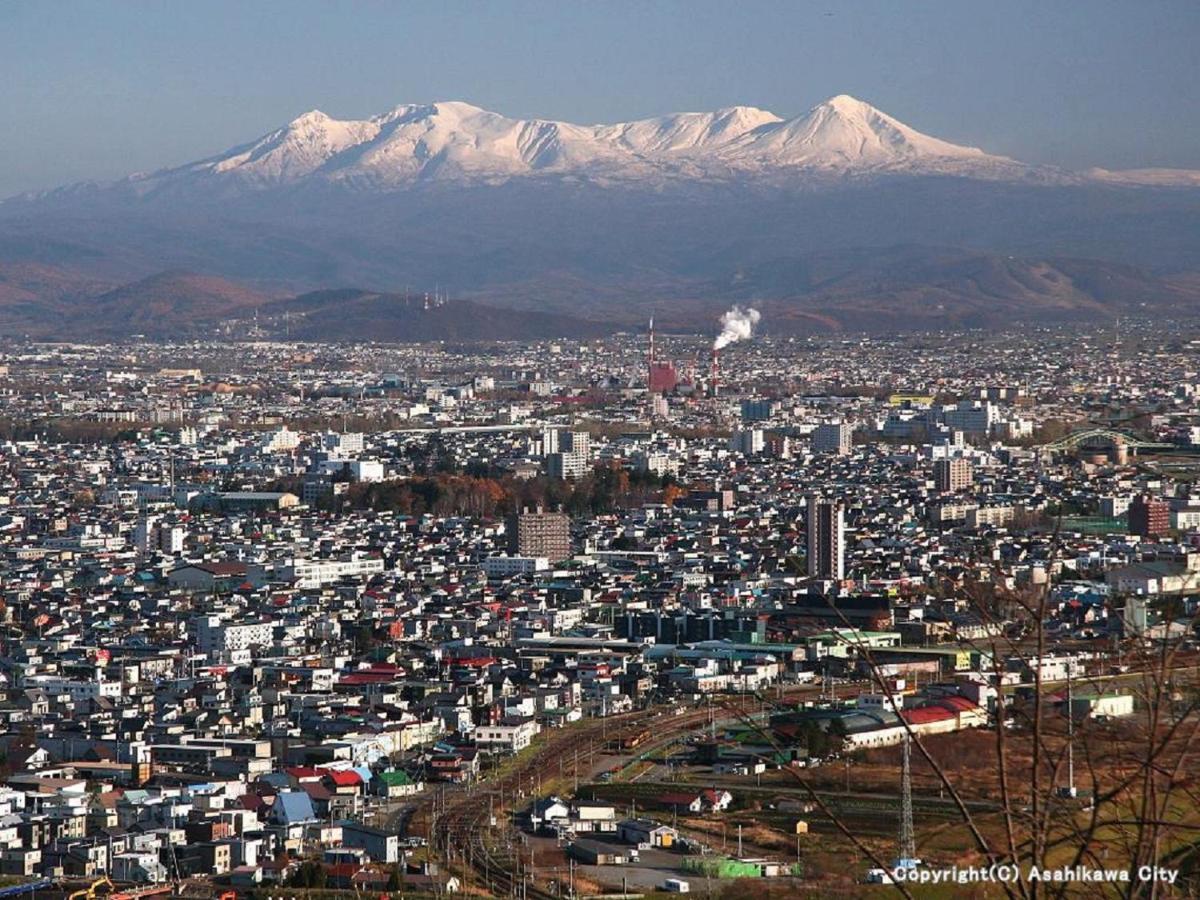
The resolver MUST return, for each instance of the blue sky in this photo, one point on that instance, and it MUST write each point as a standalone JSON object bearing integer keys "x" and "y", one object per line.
{"x": 99, "y": 89}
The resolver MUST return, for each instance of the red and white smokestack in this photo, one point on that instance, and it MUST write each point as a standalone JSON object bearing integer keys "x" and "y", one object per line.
{"x": 652, "y": 340}
{"x": 715, "y": 376}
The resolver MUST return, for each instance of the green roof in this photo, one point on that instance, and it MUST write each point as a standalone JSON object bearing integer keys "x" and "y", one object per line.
{"x": 394, "y": 779}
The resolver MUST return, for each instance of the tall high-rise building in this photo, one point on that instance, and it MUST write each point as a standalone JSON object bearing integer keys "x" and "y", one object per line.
{"x": 573, "y": 458}
{"x": 1149, "y": 517}
{"x": 152, "y": 535}
{"x": 973, "y": 417}
{"x": 576, "y": 442}
{"x": 748, "y": 441}
{"x": 952, "y": 474}
{"x": 540, "y": 533}
{"x": 547, "y": 442}
{"x": 568, "y": 466}
{"x": 826, "y": 551}
{"x": 759, "y": 410}
{"x": 832, "y": 438}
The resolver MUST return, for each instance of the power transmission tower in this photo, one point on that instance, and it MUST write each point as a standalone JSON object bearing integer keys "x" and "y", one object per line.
{"x": 908, "y": 844}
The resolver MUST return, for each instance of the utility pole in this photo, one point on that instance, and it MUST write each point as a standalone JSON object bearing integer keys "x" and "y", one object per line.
{"x": 1070, "y": 792}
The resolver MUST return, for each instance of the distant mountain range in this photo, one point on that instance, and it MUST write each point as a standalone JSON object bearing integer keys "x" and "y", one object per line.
{"x": 843, "y": 217}
{"x": 456, "y": 143}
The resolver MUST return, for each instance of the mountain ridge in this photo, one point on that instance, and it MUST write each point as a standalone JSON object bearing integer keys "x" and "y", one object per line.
{"x": 455, "y": 142}
{"x": 605, "y": 222}
{"x": 871, "y": 289}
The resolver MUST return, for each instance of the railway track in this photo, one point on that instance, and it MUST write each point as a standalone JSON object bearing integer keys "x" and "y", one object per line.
{"x": 463, "y": 825}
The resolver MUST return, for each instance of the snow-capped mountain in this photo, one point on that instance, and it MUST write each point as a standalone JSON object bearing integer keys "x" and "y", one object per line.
{"x": 455, "y": 141}
{"x": 842, "y": 215}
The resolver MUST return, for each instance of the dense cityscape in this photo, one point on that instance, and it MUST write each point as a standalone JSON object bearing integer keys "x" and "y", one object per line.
{"x": 642, "y": 613}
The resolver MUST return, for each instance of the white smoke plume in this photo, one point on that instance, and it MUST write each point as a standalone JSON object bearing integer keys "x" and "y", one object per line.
{"x": 736, "y": 325}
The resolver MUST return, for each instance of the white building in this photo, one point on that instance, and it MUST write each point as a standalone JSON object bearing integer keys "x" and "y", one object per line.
{"x": 567, "y": 465}
{"x": 215, "y": 636}
{"x": 506, "y": 738}
{"x": 313, "y": 573}
{"x": 972, "y": 416}
{"x": 76, "y": 689}
{"x": 508, "y": 566}
{"x": 280, "y": 440}
{"x": 342, "y": 444}
{"x": 359, "y": 469}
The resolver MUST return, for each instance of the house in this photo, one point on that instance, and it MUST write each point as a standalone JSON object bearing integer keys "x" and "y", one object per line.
{"x": 716, "y": 799}
{"x": 141, "y": 868}
{"x": 395, "y": 784}
{"x": 646, "y": 831}
{"x": 381, "y": 846}
{"x": 424, "y": 883}
{"x": 507, "y": 737}
{"x": 682, "y": 802}
{"x": 207, "y": 577}
{"x": 343, "y": 782}
{"x": 548, "y": 812}
{"x": 246, "y": 876}
{"x": 458, "y": 765}
{"x": 292, "y": 808}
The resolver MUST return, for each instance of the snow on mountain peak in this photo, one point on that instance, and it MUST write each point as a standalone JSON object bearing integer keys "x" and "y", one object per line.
{"x": 848, "y": 105}
{"x": 312, "y": 118}
{"x": 847, "y": 134}
{"x": 455, "y": 141}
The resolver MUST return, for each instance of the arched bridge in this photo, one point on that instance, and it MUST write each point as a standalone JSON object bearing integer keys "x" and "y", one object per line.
{"x": 1101, "y": 436}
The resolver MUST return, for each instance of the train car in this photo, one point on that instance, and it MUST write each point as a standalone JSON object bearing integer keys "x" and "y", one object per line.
{"x": 634, "y": 740}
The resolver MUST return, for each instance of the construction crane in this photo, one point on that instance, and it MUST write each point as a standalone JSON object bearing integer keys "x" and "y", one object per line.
{"x": 93, "y": 889}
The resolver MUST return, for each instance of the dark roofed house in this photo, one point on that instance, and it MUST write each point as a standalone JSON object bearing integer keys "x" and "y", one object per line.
{"x": 206, "y": 577}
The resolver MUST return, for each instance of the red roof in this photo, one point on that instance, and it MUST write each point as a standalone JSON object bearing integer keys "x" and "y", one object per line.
{"x": 678, "y": 799}
{"x": 923, "y": 715}
{"x": 356, "y": 678}
{"x": 316, "y": 790}
{"x": 961, "y": 704}
{"x": 301, "y": 772}
{"x": 253, "y": 802}
{"x": 475, "y": 662}
{"x": 384, "y": 667}
{"x": 345, "y": 778}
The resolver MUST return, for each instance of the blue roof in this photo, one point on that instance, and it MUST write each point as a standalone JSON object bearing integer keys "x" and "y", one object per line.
{"x": 293, "y": 807}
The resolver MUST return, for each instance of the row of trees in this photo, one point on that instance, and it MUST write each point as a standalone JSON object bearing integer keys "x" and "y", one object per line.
{"x": 604, "y": 490}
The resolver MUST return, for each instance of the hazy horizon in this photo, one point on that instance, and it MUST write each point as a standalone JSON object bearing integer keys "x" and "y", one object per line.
{"x": 118, "y": 88}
